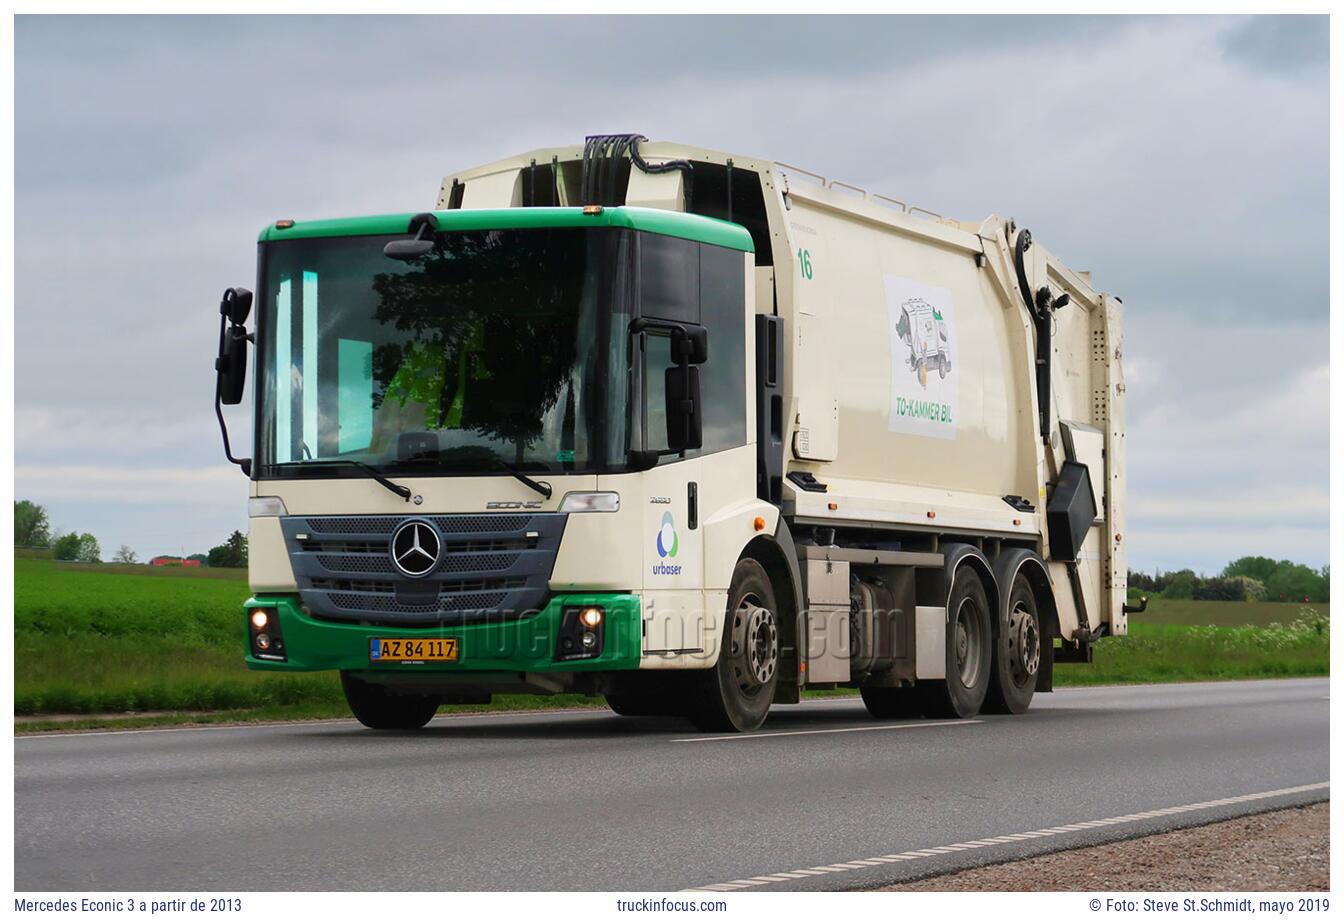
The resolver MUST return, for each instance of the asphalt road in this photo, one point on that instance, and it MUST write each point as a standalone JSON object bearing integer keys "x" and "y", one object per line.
{"x": 595, "y": 801}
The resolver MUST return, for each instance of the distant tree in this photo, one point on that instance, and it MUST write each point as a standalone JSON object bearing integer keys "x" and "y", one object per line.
{"x": 1298, "y": 583}
{"x": 1142, "y": 581}
{"x": 31, "y": 526}
{"x": 202, "y": 558}
{"x": 1249, "y": 589}
{"x": 231, "y": 554}
{"x": 89, "y": 550}
{"x": 1283, "y": 581}
{"x": 1257, "y": 567}
{"x": 66, "y": 547}
{"x": 125, "y": 555}
{"x": 1179, "y": 585}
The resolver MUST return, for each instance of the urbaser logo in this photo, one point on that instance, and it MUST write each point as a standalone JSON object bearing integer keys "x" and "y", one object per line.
{"x": 666, "y": 543}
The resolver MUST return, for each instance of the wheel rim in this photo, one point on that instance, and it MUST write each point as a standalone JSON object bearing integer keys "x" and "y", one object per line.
{"x": 1024, "y": 645}
{"x": 755, "y": 650}
{"x": 969, "y": 641}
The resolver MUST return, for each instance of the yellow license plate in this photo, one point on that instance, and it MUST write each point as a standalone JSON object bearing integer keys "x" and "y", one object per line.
{"x": 412, "y": 650}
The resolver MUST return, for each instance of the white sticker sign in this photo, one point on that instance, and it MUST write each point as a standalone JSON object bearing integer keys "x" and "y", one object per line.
{"x": 924, "y": 359}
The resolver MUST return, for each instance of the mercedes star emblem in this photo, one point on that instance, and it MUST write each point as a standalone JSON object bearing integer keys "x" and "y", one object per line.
{"x": 415, "y": 548}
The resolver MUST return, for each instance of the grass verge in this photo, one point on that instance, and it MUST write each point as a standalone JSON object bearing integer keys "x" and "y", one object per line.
{"x": 1163, "y": 653}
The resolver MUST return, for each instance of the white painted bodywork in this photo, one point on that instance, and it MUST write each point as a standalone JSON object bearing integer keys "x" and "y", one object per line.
{"x": 839, "y": 364}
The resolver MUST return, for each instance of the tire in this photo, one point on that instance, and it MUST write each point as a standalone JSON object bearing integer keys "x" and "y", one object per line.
{"x": 969, "y": 651}
{"x": 735, "y": 694}
{"x": 375, "y": 706}
{"x": 892, "y": 702}
{"x": 1017, "y": 655}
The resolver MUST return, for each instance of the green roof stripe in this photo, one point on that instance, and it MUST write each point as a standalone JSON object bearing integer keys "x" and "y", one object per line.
{"x": 651, "y": 220}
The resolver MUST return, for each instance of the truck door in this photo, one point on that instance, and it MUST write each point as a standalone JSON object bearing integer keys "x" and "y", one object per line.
{"x": 672, "y": 538}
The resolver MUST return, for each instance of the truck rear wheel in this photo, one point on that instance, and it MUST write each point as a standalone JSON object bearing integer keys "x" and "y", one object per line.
{"x": 375, "y": 706}
{"x": 969, "y": 651}
{"x": 1017, "y": 655}
{"x": 735, "y": 694}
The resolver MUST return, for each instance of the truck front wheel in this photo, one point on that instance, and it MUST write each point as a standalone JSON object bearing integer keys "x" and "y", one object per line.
{"x": 375, "y": 706}
{"x": 735, "y": 694}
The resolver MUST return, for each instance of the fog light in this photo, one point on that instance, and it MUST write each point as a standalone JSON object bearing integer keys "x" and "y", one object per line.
{"x": 260, "y": 619}
{"x": 581, "y": 633}
{"x": 263, "y": 641}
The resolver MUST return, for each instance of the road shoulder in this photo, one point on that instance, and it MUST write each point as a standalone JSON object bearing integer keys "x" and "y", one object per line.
{"x": 1283, "y": 850}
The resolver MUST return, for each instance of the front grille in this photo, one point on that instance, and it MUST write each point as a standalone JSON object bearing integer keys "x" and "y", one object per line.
{"x": 356, "y": 563}
{"x": 387, "y": 604}
{"x": 446, "y": 523}
{"x": 492, "y": 566}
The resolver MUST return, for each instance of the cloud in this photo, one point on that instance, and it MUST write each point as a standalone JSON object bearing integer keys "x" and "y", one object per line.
{"x": 1280, "y": 44}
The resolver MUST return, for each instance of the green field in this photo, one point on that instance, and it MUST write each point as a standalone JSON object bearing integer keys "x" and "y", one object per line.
{"x": 1162, "y": 611}
{"x": 98, "y": 639}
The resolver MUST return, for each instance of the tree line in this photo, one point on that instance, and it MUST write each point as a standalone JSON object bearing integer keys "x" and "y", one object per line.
{"x": 33, "y": 529}
{"x": 1250, "y": 578}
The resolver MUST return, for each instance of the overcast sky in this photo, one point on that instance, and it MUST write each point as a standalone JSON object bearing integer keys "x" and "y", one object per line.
{"x": 1182, "y": 160}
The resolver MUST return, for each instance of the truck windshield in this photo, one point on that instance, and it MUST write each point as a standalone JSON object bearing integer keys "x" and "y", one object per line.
{"x": 501, "y": 347}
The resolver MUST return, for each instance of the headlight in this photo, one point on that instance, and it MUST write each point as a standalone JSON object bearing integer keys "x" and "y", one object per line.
{"x": 590, "y": 501}
{"x": 266, "y": 506}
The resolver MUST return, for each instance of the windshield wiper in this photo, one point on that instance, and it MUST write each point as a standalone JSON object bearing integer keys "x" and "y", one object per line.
{"x": 544, "y": 488}
{"x": 372, "y": 473}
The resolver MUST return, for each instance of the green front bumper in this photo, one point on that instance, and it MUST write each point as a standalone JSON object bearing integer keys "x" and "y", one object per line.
{"x": 527, "y": 644}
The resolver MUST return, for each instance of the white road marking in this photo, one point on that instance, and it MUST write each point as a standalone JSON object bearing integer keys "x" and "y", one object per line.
{"x": 824, "y": 731}
{"x": 999, "y": 841}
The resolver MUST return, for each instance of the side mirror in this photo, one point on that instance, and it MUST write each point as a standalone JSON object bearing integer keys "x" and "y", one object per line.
{"x": 231, "y": 365}
{"x": 231, "y": 362}
{"x": 684, "y": 418}
{"x": 236, "y": 304}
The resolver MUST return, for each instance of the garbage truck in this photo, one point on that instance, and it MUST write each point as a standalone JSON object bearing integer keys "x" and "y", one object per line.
{"x": 692, "y": 431}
